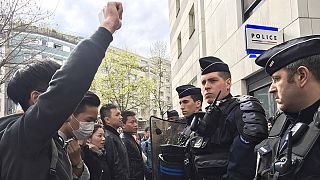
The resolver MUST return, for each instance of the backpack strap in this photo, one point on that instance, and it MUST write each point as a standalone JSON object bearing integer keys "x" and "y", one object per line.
{"x": 54, "y": 158}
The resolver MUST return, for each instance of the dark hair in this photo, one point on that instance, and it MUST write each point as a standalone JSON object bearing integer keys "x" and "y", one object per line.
{"x": 32, "y": 77}
{"x": 96, "y": 127}
{"x": 224, "y": 75}
{"x": 197, "y": 97}
{"x": 105, "y": 111}
{"x": 311, "y": 62}
{"x": 147, "y": 129}
{"x": 125, "y": 115}
{"x": 89, "y": 99}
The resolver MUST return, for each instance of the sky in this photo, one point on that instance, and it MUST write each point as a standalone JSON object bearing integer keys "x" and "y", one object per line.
{"x": 144, "y": 21}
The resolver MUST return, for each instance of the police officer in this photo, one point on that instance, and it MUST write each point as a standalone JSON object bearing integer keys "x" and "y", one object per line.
{"x": 230, "y": 129}
{"x": 293, "y": 147}
{"x": 190, "y": 100}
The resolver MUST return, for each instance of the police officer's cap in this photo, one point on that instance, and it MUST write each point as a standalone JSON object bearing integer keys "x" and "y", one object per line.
{"x": 212, "y": 64}
{"x": 290, "y": 51}
{"x": 172, "y": 113}
{"x": 187, "y": 90}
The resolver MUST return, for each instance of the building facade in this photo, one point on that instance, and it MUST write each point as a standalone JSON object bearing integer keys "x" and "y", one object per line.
{"x": 25, "y": 47}
{"x": 217, "y": 28}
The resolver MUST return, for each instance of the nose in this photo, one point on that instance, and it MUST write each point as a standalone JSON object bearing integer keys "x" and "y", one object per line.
{"x": 206, "y": 86}
{"x": 103, "y": 138}
{"x": 272, "y": 88}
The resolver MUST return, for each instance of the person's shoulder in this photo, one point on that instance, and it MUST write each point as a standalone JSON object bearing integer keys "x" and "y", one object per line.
{"x": 4, "y": 121}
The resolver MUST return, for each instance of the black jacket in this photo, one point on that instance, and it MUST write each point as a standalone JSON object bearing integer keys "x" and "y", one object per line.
{"x": 136, "y": 164}
{"x": 303, "y": 169}
{"x": 232, "y": 156}
{"x": 25, "y": 146}
{"x": 116, "y": 154}
{"x": 96, "y": 163}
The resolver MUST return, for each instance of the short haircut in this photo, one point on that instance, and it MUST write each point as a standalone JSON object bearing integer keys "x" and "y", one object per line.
{"x": 126, "y": 114}
{"x": 89, "y": 99}
{"x": 224, "y": 75}
{"x": 105, "y": 111}
{"x": 32, "y": 77}
{"x": 197, "y": 97}
{"x": 147, "y": 129}
{"x": 96, "y": 127}
{"x": 311, "y": 62}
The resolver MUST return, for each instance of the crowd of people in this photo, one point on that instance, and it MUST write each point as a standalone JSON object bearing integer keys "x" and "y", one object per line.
{"x": 59, "y": 136}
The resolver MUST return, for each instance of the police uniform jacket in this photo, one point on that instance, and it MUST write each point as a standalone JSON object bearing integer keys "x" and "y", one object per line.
{"x": 306, "y": 169}
{"x": 228, "y": 142}
{"x": 25, "y": 145}
{"x": 116, "y": 154}
{"x": 311, "y": 164}
{"x": 136, "y": 165}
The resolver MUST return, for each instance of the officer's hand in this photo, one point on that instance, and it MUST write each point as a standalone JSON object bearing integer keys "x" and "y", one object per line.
{"x": 74, "y": 153}
{"x": 112, "y": 14}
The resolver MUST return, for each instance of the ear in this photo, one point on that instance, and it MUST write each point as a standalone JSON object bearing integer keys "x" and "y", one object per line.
{"x": 34, "y": 97}
{"x": 228, "y": 84}
{"x": 303, "y": 75}
{"x": 198, "y": 104}
{"x": 106, "y": 120}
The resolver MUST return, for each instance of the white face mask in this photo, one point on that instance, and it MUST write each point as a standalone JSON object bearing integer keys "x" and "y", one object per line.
{"x": 85, "y": 129}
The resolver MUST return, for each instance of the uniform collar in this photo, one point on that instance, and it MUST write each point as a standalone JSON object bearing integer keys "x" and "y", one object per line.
{"x": 305, "y": 115}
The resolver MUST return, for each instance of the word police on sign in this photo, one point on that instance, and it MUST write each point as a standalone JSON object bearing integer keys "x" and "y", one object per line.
{"x": 261, "y": 38}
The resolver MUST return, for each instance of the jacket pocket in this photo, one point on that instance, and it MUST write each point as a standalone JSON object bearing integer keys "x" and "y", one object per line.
{"x": 211, "y": 163}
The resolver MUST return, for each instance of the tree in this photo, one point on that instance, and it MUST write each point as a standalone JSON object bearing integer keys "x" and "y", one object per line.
{"x": 120, "y": 80}
{"x": 160, "y": 73}
{"x": 17, "y": 19}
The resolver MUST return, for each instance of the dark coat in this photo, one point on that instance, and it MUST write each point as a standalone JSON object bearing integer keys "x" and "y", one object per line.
{"x": 136, "y": 164}
{"x": 25, "y": 146}
{"x": 228, "y": 144}
{"x": 116, "y": 154}
{"x": 96, "y": 163}
{"x": 309, "y": 169}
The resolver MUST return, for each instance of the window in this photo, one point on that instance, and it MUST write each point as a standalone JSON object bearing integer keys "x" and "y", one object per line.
{"x": 44, "y": 42}
{"x": 192, "y": 24}
{"x": 161, "y": 93}
{"x": 57, "y": 46}
{"x": 258, "y": 86}
{"x": 66, "y": 48}
{"x": 177, "y": 7}
{"x": 249, "y": 6}
{"x": 50, "y": 44}
{"x": 179, "y": 45}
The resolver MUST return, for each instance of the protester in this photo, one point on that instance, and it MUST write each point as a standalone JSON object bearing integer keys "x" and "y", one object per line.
{"x": 116, "y": 152}
{"x": 29, "y": 148}
{"x": 147, "y": 149}
{"x": 130, "y": 127}
{"x": 77, "y": 128}
{"x": 93, "y": 154}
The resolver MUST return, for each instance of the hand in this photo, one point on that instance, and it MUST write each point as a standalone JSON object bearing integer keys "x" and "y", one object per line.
{"x": 112, "y": 14}
{"x": 74, "y": 153}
